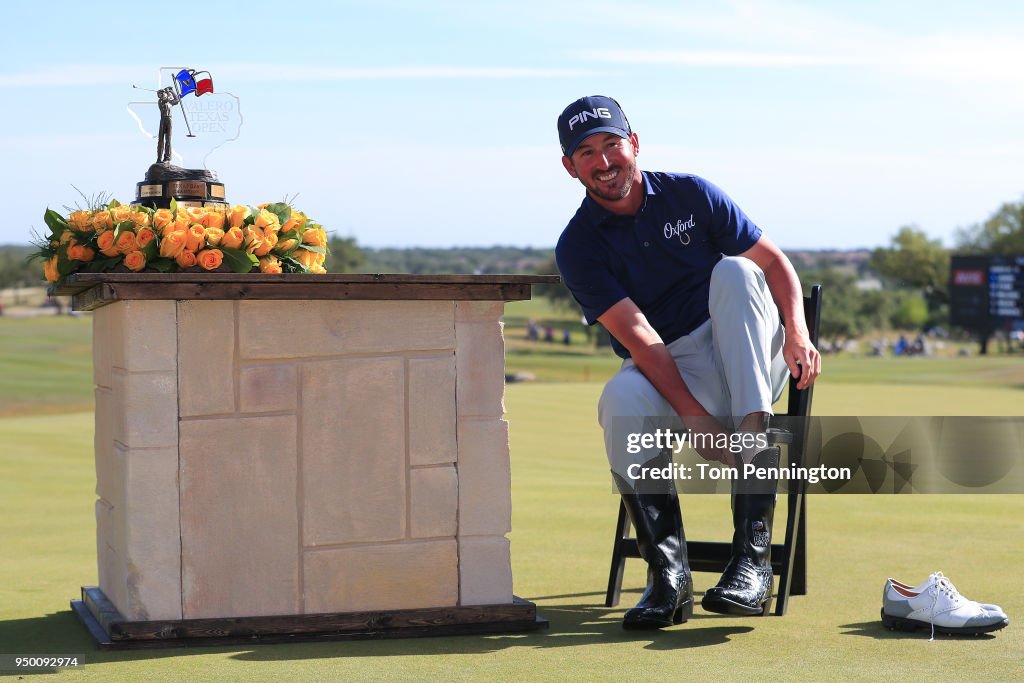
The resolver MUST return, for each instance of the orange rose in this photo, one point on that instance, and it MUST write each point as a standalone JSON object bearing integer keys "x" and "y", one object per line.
{"x": 66, "y": 237}
{"x": 102, "y": 221}
{"x": 196, "y": 214}
{"x": 195, "y": 238}
{"x": 172, "y": 244}
{"x": 292, "y": 222}
{"x": 306, "y": 257}
{"x": 253, "y": 239}
{"x": 141, "y": 218}
{"x": 237, "y": 216}
{"x": 266, "y": 218}
{"x": 318, "y": 269}
{"x": 144, "y": 237}
{"x": 106, "y": 243}
{"x": 210, "y": 259}
{"x": 50, "y": 270}
{"x": 214, "y": 236}
{"x": 213, "y": 219}
{"x": 186, "y": 259}
{"x": 81, "y": 221}
{"x": 286, "y": 246}
{"x": 126, "y": 242}
{"x": 78, "y": 252}
{"x": 315, "y": 237}
{"x": 120, "y": 213}
{"x": 270, "y": 265}
{"x": 232, "y": 238}
{"x": 179, "y": 224}
{"x": 135, "y": 260}
{"x": 161, "y": 219}
{"x": 269, "y": 242}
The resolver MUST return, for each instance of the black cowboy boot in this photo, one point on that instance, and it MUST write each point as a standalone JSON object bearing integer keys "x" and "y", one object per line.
{"x": 658, "y": 522}
{"x": 745, "y": 588}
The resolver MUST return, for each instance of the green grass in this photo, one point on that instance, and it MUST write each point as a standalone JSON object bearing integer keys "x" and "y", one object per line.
{"x": 563, "y": 514}
{"x": 45, "y": 364}
{"x": 563, "y": 517}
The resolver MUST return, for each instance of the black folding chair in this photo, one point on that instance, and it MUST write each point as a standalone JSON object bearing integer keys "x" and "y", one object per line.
{"x": 789, "y": 558}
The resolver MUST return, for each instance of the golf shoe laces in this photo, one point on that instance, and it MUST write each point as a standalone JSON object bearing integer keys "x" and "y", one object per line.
{"x": 941, "y": 584}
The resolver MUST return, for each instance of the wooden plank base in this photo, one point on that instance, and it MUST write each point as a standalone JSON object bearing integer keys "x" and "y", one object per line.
{"x": 112, "y": 632}
{"x": 92, "y": 290}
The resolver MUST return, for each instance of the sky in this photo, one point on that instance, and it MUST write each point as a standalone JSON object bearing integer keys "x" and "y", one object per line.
{"x": 399, "y": 123}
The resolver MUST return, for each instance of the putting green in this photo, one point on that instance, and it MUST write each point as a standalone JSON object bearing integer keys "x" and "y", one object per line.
{"x": 563, "y": 514}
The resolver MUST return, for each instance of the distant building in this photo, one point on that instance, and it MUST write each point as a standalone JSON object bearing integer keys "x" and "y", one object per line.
{"x": 868, "y": 284}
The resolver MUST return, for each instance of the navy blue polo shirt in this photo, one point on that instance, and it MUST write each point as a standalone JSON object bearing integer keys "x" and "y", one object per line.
{"x": 661, "y": 258}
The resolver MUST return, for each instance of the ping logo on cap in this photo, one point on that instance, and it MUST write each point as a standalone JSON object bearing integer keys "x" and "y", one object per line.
{"x": 589, "y": 115}
{"x": 595, "y": 113}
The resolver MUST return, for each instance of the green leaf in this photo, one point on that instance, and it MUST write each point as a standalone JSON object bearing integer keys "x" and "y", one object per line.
{"x": 113, "y": 204}
{"x": 174, "y": 206}
{"x": 281, "y": 210}
{"x": 55, "y": 222}
{"x": 309, "y": 247}
{"x": 105, "y": 263}
{"x": 290, "y": 265}
{"x": 239, "y": 260}
{"x": 162, "y": 265}
{"x": 66, "y": 266}
{"x": 87, "y": 238}
{"x": 150, "y": 250}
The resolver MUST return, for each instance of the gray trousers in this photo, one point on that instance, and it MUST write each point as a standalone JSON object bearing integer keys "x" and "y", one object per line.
{"x": 732, "y": 364}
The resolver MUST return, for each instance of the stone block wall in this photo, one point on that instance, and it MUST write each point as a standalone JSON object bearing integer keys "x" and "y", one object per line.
{"x": 297, "y": 457}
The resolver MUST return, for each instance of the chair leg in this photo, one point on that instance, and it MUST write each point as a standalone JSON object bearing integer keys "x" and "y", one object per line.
{"x": 800, "y": 561}
{"x": 794, "y": 523}
{"x": 618, "y": 559}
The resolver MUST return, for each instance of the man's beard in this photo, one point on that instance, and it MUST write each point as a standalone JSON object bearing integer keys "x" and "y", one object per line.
{"x": 614, "y": 195}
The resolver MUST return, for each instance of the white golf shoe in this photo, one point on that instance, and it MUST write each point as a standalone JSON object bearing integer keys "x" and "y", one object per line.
{"x": 936, "y": 604}
{"x": 995, "y": 609}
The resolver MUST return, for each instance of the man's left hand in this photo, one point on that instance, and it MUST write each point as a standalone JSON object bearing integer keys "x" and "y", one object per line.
{"x": 802, "y": 358}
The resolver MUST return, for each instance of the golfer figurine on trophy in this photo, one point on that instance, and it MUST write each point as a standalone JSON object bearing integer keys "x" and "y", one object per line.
{"x": 209, "y": 123}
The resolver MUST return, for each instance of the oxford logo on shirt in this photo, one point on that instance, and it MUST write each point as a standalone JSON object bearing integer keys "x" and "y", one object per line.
{"x": 679, "y": 230}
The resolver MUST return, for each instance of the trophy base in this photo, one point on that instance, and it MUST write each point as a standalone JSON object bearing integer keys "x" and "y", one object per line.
{"x": 186, "y": 186}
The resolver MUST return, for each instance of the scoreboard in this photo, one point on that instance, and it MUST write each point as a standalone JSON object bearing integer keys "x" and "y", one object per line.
{"x": 987, "y": 292}
{"x": 1006, "y": 287}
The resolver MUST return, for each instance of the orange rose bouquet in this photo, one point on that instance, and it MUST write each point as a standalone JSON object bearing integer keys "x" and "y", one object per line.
{"x": 269, "y": 238}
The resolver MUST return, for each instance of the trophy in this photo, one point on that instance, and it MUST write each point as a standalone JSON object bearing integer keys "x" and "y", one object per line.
{"x": 210, "y": 119}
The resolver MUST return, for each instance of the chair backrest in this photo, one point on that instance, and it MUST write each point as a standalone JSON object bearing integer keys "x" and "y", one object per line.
{"x": 798, "y": 403}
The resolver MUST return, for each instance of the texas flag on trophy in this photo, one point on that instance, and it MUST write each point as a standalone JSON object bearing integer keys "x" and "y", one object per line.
{"x": 192, "y": 81}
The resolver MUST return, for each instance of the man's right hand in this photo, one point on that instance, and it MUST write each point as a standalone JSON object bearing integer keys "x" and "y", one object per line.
{"x": 627, "y": 323}
{"x": 706, "y": 424}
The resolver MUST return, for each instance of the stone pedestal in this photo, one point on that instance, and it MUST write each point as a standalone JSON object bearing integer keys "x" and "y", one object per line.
{"x": 264, "y": 456}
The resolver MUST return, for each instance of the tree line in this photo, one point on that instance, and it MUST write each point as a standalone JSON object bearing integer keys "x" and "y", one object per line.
{"x": 912, "y": 271}
{"x": 903, "y": 285}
